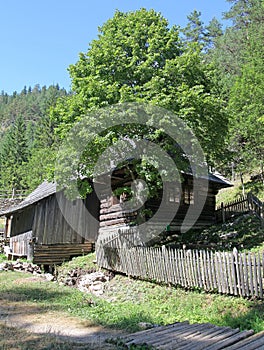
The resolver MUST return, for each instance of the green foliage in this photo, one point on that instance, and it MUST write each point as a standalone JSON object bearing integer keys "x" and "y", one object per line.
{"x": 138, "y": 58}
{"x": 27, "y": 145}
{"x": 14, "y": 155}
{"x": 2, "y": 257}
{"x": 246, "y": 99}
{"x": 212, "y": 79}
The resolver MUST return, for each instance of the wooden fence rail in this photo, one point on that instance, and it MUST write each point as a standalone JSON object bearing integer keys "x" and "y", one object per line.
{"x": 233, "y": 273}
{"x": 15, "y": 194}
{"x": 244, "y": 204}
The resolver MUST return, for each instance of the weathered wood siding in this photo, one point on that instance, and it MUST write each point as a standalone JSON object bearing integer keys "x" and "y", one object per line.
{"x": 22, "y": 221}
{"x": 69, "y": 225}
{"x": 21, "y": 245}
{"x": 57, "y": 228}
{"x": 57, "y": 253}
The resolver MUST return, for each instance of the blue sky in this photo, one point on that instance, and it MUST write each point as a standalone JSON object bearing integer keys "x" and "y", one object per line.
{"x": 40, "y": 39}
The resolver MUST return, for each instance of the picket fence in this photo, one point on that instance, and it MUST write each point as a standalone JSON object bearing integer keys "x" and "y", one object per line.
{"x": 232, "y": 273}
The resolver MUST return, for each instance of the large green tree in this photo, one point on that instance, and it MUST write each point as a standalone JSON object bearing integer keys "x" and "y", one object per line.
{"x": 246, "y": 103}
{"x": 137, "y": 57}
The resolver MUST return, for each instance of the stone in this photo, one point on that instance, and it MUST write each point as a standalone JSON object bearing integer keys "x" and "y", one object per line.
{"x": 49, "y": 277}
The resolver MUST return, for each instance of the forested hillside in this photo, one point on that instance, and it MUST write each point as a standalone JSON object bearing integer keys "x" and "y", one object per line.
{"x": 212, "y": 76}
{"x": 26, "y": 131}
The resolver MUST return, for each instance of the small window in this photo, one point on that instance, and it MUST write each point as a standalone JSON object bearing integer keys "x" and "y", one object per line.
{"x": 173, "y": 195}
{"x": 188, "y": 196}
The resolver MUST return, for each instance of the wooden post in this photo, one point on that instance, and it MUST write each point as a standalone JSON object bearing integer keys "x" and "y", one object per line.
{"x": 262, "y": 216}
{"x": 223, "y": 212}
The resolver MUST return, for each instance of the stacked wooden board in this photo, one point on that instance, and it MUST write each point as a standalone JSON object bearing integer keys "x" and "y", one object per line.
{"x": 185, "y": 336}
{"x": 58, "y": 253}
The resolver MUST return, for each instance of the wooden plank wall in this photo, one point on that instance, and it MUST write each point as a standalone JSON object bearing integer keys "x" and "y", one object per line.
{"x": 58, "y": 253}
{"x": 233, "y": 273}
{"x": 20, "y": 244}
{"x": 22, "y": 221}
{"x": 64, "y": 223}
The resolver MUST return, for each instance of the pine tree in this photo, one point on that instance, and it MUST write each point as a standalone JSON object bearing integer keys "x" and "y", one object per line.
{"x": 14, "y": 154}
{"x": 194, "y": 31}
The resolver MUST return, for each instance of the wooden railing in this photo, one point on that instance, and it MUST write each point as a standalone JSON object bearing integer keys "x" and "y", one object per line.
{"x": 256, "y": 207}
{"x": 232, "y": 273}
{"x": 14, "y": 194}
{"x": 231, "y": 209}
{"x": 245, "y": 204}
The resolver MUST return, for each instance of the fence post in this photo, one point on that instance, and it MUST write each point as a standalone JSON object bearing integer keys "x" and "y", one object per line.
{"x": 13, "y": 193}
{"x": 262, "y": 215}
{"x": 223, "y": 212}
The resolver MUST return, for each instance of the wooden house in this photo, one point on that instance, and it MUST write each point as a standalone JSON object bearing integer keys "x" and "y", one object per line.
{"x": 39, "y": 227}
{"x": 190, "y": 206}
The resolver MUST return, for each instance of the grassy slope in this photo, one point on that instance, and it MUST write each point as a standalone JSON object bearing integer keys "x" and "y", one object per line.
{"x": 244, "y": 232}
{"x": 230, "y": 194}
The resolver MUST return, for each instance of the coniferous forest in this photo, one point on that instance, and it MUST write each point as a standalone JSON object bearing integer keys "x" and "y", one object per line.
{"x": 211, "y": 75}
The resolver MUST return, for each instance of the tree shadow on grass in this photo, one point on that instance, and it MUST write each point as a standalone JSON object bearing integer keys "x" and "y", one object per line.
{"x": 252, "y": 319}
{"x": 34, "y": 294}
{"x": 14, "y": 338}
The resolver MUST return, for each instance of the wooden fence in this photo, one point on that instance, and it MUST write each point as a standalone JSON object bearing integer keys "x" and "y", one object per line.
{"x": 14, "y": 194}
{"x": 233, "y": 273}
{"x": 231, "y": 209}
{"x": 244, "y": 204}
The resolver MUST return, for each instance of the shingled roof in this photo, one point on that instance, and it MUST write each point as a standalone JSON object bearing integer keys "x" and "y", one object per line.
{"x": 42, "y": 191}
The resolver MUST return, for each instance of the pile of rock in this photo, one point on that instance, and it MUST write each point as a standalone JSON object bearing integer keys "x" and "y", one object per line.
{"x": 87, "y": 281}
{"x": 93, "y": 283}
{"x": 20, "y": 266}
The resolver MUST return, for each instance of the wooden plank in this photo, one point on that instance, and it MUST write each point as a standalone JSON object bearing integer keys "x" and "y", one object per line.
{"x": 180, "y": 272}
{"x": 218, "y": 271}
{"x": 229, "y": 272}
{"x": 255, "y": 276}
{"x": 199, "y": 276}
{"x": 241, "y": 271}
{"x": 229, "y": 338}
{"x": 181, "y": 338}
{"x": 141, "y": 335}
{"x": 206, "y": 338}
{"x": 253, "y": 342}
{"x": 237, "y": 270}
{"x": 246, "y": 279}
{"x": 260, "y": 276}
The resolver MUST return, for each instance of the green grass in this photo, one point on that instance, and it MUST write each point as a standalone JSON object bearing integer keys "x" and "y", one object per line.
{"x": 243, "y": 232}
{"x": 86, "y": 262}
{"x": 127, "y": 302}
{"x": 3, "y": 258}
{"x": 235, "y": 192}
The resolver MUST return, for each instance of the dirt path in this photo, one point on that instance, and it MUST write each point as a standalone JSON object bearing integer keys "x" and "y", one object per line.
{"x": 35, "y": 320}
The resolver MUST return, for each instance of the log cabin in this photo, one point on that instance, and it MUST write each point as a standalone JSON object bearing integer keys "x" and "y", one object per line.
{"x": 38, "y": 230}
{"x": 183, "y": 206}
